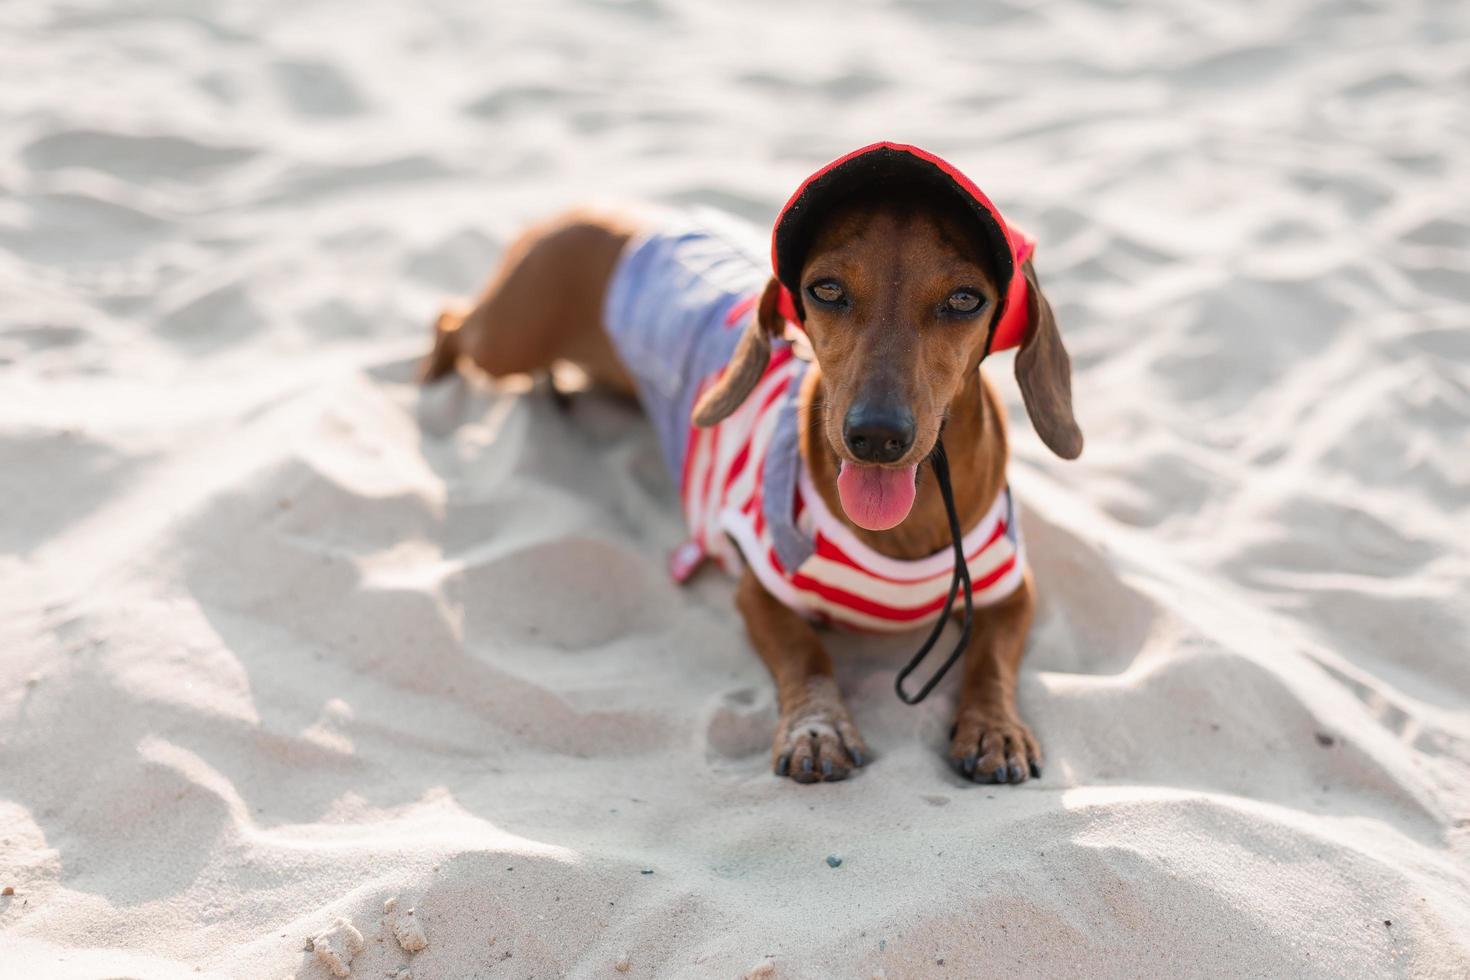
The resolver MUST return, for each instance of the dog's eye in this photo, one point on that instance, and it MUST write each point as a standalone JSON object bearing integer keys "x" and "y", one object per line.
{"x": 963, "y": 301}
{"x": 826, "y": 292}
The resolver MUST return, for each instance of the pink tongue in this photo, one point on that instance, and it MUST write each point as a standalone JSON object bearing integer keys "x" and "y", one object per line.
{"x": 876, "y": 498}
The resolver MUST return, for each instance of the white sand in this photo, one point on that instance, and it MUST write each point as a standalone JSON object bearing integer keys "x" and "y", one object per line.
{"x": 281, "y": 638}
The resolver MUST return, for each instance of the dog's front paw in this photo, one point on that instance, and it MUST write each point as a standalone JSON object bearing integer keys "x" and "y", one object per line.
{"x": 994, "y": 748}
{"x": 816, "y": 740}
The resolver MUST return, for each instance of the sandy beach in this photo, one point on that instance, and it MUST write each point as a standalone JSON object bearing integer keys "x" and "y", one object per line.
{"x": 290, "y": 647}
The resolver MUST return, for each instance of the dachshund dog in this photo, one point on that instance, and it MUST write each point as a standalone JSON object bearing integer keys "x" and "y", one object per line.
{"x": 893, "y": 274}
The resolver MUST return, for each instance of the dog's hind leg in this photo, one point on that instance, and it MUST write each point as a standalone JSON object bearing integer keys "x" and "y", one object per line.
{"x": 543, "y": 304}
{"x": 444, "y": 356}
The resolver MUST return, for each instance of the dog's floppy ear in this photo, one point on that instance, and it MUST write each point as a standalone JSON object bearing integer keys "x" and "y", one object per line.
{"x": 747, "y": 364}
{"x": 1045, "y": 374}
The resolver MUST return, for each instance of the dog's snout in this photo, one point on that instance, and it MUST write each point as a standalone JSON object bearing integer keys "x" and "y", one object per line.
{"x": 878, "y": 434}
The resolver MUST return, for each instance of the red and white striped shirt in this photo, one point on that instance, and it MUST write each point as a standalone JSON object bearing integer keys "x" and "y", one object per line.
{"x": 833, "y": 576}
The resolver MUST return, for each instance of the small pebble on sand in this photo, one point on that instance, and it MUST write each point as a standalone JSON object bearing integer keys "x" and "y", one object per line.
{"x": 410, "y": 933}
{"x": 624, "y": 964}
{"x": 834, "y": 860}
{"x": 337, "y": 946}
{"x": 646, "y": 871}
{"x": 765, "y": 971}
{"x": 8, "y": 890}
{"x": 406, "y": 927}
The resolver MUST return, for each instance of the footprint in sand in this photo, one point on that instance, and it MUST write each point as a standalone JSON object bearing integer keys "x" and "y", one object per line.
{"x": 740, "y": 724}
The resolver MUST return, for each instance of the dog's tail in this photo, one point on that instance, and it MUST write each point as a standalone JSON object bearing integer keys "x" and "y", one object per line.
{"x": 445, "y": 355}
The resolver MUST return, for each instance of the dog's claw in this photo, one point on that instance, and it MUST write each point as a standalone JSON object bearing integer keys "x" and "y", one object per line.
{"x": 806, "y": 764}
{"x": 1035, "y": 771}
{"x": 783, "y": 765}
{"x": 858, "y": 759}
{"x": 1016, "y": 774}
{"x": 967, "y": 764}
{"x": 999, "y": 776}
{"x": 826, "y": 768}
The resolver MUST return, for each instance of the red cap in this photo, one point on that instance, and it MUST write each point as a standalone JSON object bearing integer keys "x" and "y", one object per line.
{"x": 885, "y": 162}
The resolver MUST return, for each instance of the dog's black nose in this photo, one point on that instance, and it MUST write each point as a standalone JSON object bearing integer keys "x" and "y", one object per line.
{"x": 878, "y": 435}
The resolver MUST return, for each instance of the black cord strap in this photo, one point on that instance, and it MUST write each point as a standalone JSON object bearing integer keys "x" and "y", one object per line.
{"x": 940, "y": 463}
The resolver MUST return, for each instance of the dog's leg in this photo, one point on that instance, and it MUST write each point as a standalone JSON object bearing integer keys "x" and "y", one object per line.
{"x": 445, "y": 354}
{"x": 990, "y": 743}
{"x": 815, "y": 738}
{"x": 543, "y": 304}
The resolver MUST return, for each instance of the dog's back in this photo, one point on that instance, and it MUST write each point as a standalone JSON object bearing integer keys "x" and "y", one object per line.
{"x": 674, "y": 306}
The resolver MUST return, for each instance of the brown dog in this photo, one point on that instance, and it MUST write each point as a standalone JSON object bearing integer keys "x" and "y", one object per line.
{"x": 899, "y": 295}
